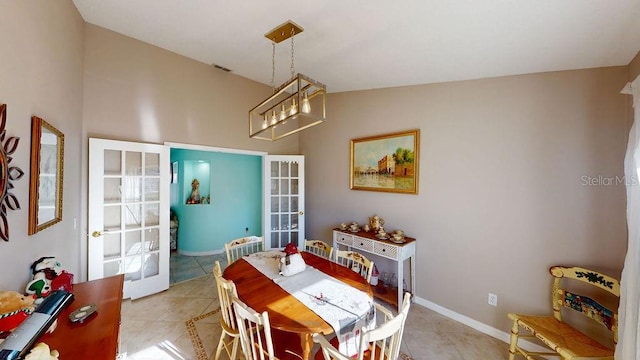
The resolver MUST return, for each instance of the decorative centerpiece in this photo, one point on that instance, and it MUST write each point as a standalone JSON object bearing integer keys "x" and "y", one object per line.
{"x": 292, "y": 263}
{"x": 376, "y": 222}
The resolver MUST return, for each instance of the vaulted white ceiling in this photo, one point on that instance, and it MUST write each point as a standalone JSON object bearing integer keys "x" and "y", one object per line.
{"x": 365, "y": 44}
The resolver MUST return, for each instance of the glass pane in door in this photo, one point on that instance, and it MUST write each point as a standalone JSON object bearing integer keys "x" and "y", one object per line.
{"x": 112, "y": 218}
{"x": 112, "y": 192}
{"x": 284, "y": 186}
{"x": 112, "y": 268}
{"x": 152, "y": 215}
{"x": 284, "y": 169}
{"x": 275, "y": 204}
{"x": 152, "y": 239}
{"x": 112, "y": 162}
{"x": 151, "y": 267}
{"x": 132, "y": 268}
{"x": 132, "y": 189}
{"x": 132, "y": 216}
{"x": 152, "y": 164}
{"x": 112, "y": 247}
{"x": 284, "y": 222}
{"x": 133, "y": 243}
{"x": 152, "y": 189}
{"x": 275, "y": 240}
{"x": 133, "y": 163}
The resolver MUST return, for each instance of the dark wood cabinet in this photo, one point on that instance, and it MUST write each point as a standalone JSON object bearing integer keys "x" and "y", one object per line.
{"x": 97, "y": 337}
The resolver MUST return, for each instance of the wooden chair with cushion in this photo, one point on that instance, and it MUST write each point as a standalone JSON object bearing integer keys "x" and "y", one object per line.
{"x": 319, "y": 248}
{"x": 243, "y": 246}
{"x": 355, "y": 261}
{"x": 564, "y": 340}
{"x": 230, "y": 338}
{"x": 381, "y": 343}
{"x": 259, "y": 341}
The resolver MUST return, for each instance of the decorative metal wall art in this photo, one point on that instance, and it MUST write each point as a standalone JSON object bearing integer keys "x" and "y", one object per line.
{"x": 8, "y": 201}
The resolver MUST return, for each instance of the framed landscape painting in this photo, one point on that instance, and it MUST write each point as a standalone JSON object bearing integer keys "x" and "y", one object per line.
{"x": 386, "y": 162}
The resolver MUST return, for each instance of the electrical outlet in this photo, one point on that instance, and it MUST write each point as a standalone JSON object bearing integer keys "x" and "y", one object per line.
{"x": 493, "y": 299}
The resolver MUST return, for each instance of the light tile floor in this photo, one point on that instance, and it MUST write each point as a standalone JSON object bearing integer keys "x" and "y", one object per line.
{"x": 153, "y": 328}
{"x": 183, "y": 267}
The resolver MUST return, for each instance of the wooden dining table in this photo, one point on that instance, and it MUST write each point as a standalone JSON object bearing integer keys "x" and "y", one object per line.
{"x": 287, "y": 313}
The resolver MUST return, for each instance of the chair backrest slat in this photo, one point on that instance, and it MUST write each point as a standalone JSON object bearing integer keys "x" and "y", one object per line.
{"x": 255, "y": 332}
{"x": 585, "y": 304}
{"x": 388, "y": 336}
{"x": 319, "y": 247}
{"x": 355, "y": 261}
{"x": 381, "y": 343}
{"x": 226, "y": 292}
{"x": 238, "y": 248}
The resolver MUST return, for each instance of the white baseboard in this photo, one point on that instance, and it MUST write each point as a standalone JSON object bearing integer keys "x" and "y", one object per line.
{"x": 475, "y": 324}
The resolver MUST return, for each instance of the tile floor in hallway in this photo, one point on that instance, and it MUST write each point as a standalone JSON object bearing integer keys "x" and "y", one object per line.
{"x": 153, "y": 328}
{"x": 183, "y": 267}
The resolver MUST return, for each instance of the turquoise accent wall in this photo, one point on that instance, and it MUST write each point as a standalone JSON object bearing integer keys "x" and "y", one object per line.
{"x": 234, "y": 183}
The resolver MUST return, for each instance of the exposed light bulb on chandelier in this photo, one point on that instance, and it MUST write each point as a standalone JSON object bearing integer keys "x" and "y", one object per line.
{"x": 265, "y": 122}
{"x": 274, "y": 119}
{"x": 283, "y": 113}
{"x": 294, "y": 108}
{"x": 306, "y": 106}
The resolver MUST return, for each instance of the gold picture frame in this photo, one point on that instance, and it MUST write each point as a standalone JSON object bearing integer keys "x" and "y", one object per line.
{"x": 386, "y": 163}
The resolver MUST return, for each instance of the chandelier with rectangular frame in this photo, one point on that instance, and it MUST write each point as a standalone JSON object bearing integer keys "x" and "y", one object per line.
{"x": 296, "y": 105}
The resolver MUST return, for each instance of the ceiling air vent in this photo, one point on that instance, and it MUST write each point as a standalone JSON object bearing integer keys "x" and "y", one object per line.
{"x": 221, "y": 68}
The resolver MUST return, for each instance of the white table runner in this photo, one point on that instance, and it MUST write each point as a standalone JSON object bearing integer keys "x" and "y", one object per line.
{"x": 347, "y": 309}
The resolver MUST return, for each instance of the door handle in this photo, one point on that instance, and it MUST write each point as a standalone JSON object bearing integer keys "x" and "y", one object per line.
{"x": 301, "y": 212}
{"x": 96, "y": 234}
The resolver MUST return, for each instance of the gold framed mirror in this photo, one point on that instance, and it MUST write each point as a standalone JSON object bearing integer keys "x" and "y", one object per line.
{"x": 47, "y": 160}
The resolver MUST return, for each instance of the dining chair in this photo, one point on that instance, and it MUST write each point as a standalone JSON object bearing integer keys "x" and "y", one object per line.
{"x": 238, "y": 248}
{"x": 564, "y": 340}
{"x": 381, "y": 343}
{"x": 259, "y": 341}
{"x": 355, "y": 261}
{"x": 229, "y": 338}
{"x": 319, "y": 247}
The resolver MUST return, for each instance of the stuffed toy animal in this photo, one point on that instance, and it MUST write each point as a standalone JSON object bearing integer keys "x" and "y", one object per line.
{"x": 42, "y": 352}
{"x": 14, "y": 309}
{"x": 292, "y": 263}
{"x": 44, "y": 271}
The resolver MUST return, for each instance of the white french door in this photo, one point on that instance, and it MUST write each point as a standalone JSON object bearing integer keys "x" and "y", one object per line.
{"x": 284, "y": 200}
{"x": 129, "y": 214}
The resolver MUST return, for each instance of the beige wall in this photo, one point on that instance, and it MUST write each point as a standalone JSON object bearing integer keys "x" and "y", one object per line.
{"x": 138, "y": 92}
{"x": 501, "y": 197}
{"x": 41, "y": 72}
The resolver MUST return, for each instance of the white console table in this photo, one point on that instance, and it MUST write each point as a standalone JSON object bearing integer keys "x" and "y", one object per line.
{"x": 362, "y": 241}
